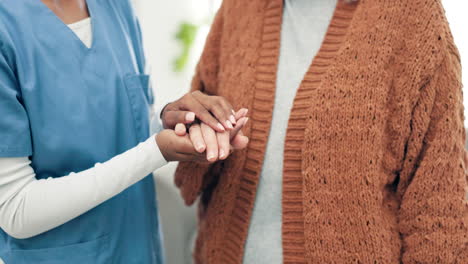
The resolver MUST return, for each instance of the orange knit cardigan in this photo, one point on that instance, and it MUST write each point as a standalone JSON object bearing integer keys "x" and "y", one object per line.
{"x": 374, "y": 159}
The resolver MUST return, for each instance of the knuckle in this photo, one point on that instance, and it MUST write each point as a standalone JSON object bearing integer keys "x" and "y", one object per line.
{"x": 188, "y": 97}
{"x": 183, "y": 102}
{"x": 185, "y": 97}
{"x": 217, "y": 104}
{"x": 224, "y": 103}
{"x": 223, "y": 100}
{"x": 219, "y": 99}
{"x": 164, "y": 115}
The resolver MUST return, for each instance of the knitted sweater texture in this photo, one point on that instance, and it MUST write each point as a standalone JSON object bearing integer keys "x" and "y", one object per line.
{"x": 374, "y": 158}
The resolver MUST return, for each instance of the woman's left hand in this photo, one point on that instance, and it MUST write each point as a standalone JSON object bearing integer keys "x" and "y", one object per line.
{"x": 215, "y": 111}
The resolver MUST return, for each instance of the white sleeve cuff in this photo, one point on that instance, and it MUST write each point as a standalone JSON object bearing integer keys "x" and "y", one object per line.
{"x": 157, "y": 159}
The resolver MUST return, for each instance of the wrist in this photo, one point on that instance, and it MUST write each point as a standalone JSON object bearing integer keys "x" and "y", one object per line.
{"x": 154, "y": 153}
{"x": 158, "y": 138}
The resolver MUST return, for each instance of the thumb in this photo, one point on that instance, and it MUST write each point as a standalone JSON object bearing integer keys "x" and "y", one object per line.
{"x": 180, "y": 129}
{"x": 173, "y": 117}
{"x": 240, "y": 124}
{"x": 239, "y": 142}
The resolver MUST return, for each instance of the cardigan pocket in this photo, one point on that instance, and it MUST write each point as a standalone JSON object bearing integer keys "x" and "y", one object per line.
{"x": 94, "y": 251}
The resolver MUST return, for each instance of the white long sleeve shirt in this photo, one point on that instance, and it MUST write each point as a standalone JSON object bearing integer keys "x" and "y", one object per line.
{"x": 29, "y": 207}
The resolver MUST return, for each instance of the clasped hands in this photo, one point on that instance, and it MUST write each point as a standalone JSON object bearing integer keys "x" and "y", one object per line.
{"x": 202, "y": 128}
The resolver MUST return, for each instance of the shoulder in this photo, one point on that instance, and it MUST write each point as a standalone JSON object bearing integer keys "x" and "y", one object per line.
{"x": 418, "y": 31}
{"x": 124, "y": 8}
{"x": 6, "y": 39}
{"x": 422, "y": 24}
{"x": 14, "y": 10}
{"x": 432, "y": 30}
{"x": 123, "y": 12}
{"x": 11, "y": 4}
{"x": 15, "y": 18}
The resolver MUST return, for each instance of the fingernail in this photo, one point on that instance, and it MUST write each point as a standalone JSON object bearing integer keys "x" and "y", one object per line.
{"x": 220, "y": 127}
{"x": 246, "y": 111}
{"x": 229, "y": 124}
{"x": 190, "y": 116}
{"x": 246, "y": 120}
{"x": 211, "y": 156}
{"x": 232, "y": 119}
{"x": 221, "y": 154}
{"x": 200, "y": 148}
{"x": 233, "y": 112}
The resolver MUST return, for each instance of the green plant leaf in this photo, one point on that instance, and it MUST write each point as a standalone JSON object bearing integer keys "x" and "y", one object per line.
{"x": 185, "y": 36}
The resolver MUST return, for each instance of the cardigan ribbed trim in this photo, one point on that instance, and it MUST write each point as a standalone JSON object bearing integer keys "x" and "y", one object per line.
{"x": 293, "y": 217}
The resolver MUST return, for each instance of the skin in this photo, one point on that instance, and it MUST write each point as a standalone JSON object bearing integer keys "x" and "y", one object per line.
{"x": 185, "y": 151}
{"x": 207, "y": 135}
{"x": 69, "y": 11}
{"x": 215, "y": 111}
{"x": 219, "y": 130}
{"x": 218, "y": 145}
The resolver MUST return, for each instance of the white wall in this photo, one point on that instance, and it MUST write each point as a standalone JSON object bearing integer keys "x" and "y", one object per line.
{"x": 160, "y": 21}
{"x": 458, "y": 19}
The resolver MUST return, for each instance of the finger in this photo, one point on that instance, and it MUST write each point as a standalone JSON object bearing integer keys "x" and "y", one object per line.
{"x": 223, "y": 144}
{"x": 185, "y": 147}
{"x": 191, "y": 157}
{"x": 211, "y": 141}
{"x": 183, "y": 157}
{"x": 227, "y": 109}
{"x": 196, "y": 137}
{"x": 240, "y": 124}
{"x": 218, "y": 106}
{"x": 178, "y": 148}
{"x": 180, "y": 129}
{"x": 241, "y": 113}
{"x": 202, "y": 113}
{"x": 232, "y": 117}
{"x": 240, "y": 142}
{"x": 173, "y": 117}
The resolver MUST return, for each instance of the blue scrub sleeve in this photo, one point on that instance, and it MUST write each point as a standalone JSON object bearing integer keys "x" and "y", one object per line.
{"x": 15, "y": 136}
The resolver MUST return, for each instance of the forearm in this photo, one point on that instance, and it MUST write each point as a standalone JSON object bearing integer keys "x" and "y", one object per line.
{"x": 29, "y": 206}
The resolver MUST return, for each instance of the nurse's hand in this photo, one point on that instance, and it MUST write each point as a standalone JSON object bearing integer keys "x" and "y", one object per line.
{"x": 215, "y": 111}
{"x": 177, "y": 148}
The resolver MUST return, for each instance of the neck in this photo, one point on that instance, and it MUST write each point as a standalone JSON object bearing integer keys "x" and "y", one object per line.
{"x": 69, "y": 11}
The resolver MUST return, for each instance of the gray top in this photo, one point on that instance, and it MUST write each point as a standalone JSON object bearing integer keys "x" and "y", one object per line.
{"x": 305, "y": 23}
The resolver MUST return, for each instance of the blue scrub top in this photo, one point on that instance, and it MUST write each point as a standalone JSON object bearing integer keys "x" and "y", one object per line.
{"x": 69, "y": 107}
